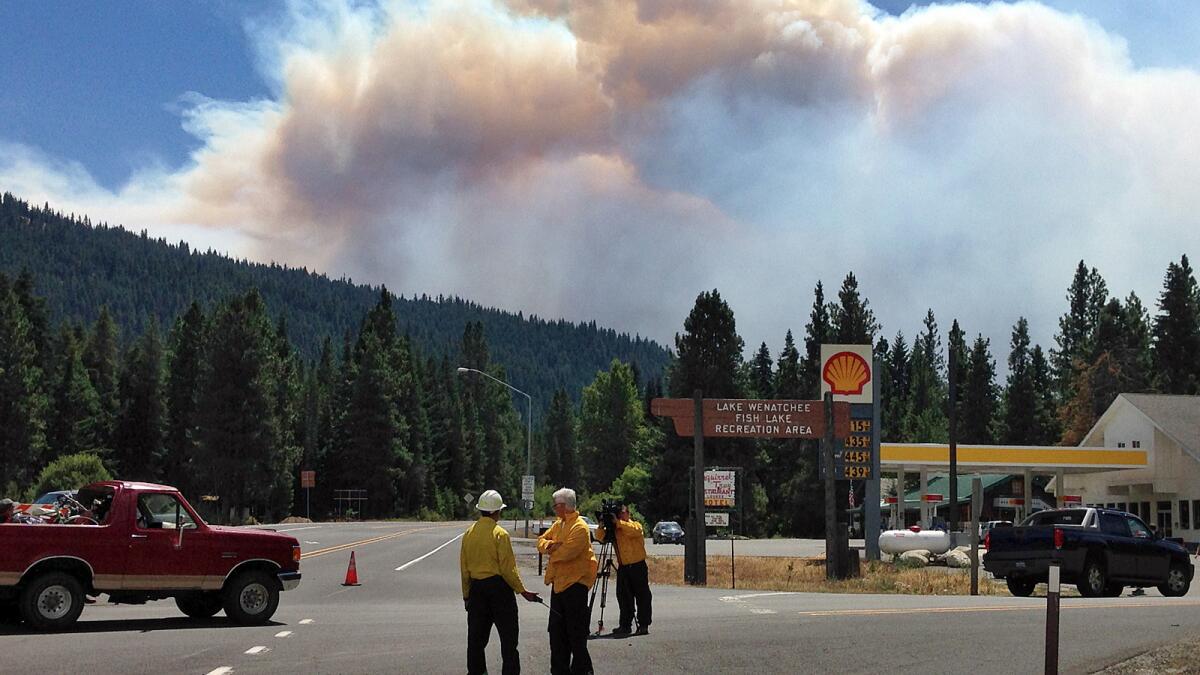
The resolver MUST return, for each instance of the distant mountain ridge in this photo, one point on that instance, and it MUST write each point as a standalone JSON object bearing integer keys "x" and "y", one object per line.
{"x": 78, "y": 267}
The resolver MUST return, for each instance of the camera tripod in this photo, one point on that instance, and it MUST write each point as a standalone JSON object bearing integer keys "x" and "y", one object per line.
{"x": 606, "y": 565}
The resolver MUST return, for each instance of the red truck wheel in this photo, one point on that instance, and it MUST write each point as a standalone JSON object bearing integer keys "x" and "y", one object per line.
{"x": 199, "y": 605}
{"x": 52, "y": 601}
{"x": 251, "y": 598}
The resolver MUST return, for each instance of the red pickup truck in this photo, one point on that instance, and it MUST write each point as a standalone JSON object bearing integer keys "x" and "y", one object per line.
{"x": 146, "y": 543}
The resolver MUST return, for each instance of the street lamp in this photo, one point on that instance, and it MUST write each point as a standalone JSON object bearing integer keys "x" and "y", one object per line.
{"x": 528, "y": 428}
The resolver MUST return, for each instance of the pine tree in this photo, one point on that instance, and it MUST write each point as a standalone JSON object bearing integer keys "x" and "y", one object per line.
{"x": 100, "y": 359}
{"x": 1020, "y": 396}
{"x": 610, "y": 425}
{"x": 957, "y": 345}
{"x": 852, "y": 320}
{"x": 1086, "y": 297}
{"x": 76, "y": 421}
{"x": 818, "y": 331}
{"x": 709, "y": 357}
{"x": 760, "y": 373}
{"x": 561, "y": 464}
{"x": 895, "y": 402}
{"x": 283, "y": 465}
{"x": 1046, "y": 428}
{"x": 1177, "y": 332}
{"x": 182, "y": 392}
{"x": 23, "y": 405}
{"x": 237, "y": 424}
{"x": 140, "y": 432}
{"x": 925, "y": 419}
{"x": 709, "y": 351}
{"x": 38, "y": 318}
{"x": 980, "y": 395}
{"x": 789, "y": 383}
{"x": 1139, "y": 358}
{"x": 373, "y": 432}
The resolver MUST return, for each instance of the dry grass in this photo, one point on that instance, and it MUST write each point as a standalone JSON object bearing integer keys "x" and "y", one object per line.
{"x": 808, "y": 575}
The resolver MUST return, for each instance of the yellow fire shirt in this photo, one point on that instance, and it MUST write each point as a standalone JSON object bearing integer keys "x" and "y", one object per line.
{"x": 574, "y": 561}
{"x": 631, "y": 545}
{"x": 487, "y": 551}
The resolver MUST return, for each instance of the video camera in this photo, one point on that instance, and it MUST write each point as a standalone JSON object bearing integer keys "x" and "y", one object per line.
{"x": 610, "y": 509}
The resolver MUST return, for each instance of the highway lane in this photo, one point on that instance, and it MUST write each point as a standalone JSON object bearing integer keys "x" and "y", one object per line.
{"x": 412, "y": 621}
{"x": 157, "y": 637}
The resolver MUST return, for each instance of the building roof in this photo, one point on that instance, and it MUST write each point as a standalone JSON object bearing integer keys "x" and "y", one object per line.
{"x": 1176, "y": 416}
{"x": 940, "y": 484}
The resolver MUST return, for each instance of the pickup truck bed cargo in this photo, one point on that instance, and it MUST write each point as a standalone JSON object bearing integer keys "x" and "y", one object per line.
{"x": 1099, "y": 550}
{"x": 148, "y": 544}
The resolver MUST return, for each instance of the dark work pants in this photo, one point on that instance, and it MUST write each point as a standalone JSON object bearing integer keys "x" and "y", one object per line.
{"x": 569, "y": 621}
{"x": 633, "y": 583}
{"x": 492, "y": 602}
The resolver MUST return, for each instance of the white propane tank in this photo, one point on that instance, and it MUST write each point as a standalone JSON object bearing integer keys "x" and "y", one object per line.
{"x": 914, "y": 539}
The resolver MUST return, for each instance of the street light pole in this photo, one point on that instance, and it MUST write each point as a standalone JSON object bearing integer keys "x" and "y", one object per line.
{"x": 528, "y": 427}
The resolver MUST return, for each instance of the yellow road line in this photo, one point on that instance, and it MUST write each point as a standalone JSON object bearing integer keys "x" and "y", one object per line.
{"x": 992, "y": 608}
{"x": 363, "y": 542}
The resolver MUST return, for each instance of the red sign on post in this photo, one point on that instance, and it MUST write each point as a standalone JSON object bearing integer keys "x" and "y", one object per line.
{"x": 933, "y": 497}
{"x": 754, "y": 418}
{"x": 308, "y": 479}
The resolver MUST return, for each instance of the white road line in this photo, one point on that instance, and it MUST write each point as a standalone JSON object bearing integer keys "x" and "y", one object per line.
{"x": 297, "y": 529}
{"x": 739, "y": 598}
{"x": 760, "y": 610}
{"x": 283, "y": 633}
{"x": 257, "y": 650}
{"x": 223, "y": 670}
{"x": 414, "y": 562}
{"x": 305, "y": 622}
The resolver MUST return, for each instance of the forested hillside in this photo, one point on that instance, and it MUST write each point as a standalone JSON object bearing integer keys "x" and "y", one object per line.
{"x": 79, "y": 267}
{"x": 217, "y": 395}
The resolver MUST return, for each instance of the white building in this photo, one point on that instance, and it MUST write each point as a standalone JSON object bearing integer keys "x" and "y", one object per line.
{"x": 1165, "y": 493}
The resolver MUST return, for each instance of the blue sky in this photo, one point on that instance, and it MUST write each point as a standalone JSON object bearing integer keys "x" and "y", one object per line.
{"x": 959, "y": 157}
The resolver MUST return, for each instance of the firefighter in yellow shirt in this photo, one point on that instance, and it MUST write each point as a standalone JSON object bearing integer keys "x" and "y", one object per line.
{"x": 570, "y": 573}
{"x": 489, "y": 580}
{"x": 633, "y": 578}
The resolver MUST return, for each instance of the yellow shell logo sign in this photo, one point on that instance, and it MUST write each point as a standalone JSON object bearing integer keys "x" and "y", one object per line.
{"x": 846, "y": 373}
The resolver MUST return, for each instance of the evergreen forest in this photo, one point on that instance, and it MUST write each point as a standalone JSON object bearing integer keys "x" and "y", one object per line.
{"x": 225, "y": 394}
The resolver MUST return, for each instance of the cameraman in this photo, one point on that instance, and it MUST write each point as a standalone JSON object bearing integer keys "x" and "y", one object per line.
{"x": 633, "y": 578}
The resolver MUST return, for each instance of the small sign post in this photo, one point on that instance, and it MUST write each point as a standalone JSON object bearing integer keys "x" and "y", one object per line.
{"x": 527, "y": 483}
{"x": 308, "y": 481}
{"x": 1052, "y": 592}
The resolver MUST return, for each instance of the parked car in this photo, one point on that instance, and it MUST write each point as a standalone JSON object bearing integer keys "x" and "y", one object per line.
{"x": 667, "y": 531}
{"x": 140, "y": 542}
{"x": 51, "y": 498}
{"x": 591, "y": 526}
{"x": 1099, "y": 550}
{"x": 988, "y": 525}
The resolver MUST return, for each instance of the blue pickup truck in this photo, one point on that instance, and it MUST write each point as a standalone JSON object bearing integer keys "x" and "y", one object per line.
{"x": 1101, "y": 551}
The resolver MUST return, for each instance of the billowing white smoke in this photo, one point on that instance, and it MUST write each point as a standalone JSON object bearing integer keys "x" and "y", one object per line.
{"x": 610, "y": 159}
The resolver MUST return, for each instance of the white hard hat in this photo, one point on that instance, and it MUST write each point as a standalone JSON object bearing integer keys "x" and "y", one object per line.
{"x": 490, "y": 501}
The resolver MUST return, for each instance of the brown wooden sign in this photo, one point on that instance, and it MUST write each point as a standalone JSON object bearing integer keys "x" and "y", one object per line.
{"x": 754, "y": 418}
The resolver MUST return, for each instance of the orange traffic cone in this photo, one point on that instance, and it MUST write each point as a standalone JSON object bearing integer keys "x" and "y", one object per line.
{"x": 351, "y": 573}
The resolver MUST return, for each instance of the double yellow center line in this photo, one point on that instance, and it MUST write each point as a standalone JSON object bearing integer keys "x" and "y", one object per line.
{"x": 363, "y": 542}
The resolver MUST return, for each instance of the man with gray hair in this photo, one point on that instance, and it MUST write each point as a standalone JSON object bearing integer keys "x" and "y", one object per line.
{"x": 570, "y": 573}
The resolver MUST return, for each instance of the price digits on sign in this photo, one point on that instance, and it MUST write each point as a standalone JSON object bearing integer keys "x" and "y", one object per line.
{"x": 858, "y": 442}
{"x": 856, "y": 471}
{"x": 856, "y": 457}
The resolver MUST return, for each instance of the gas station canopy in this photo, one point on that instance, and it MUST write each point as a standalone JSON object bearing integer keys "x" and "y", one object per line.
{"x": 1008, "y": 458}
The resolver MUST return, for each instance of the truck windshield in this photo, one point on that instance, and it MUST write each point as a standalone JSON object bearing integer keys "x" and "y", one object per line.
{"x": 1064, "y": 517}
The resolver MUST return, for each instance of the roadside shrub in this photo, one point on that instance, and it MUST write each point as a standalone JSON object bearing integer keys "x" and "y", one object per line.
{"x": 70, "y": 472}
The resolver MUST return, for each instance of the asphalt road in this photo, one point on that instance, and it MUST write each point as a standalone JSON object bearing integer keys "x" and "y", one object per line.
{"x": 411, "y": 620}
